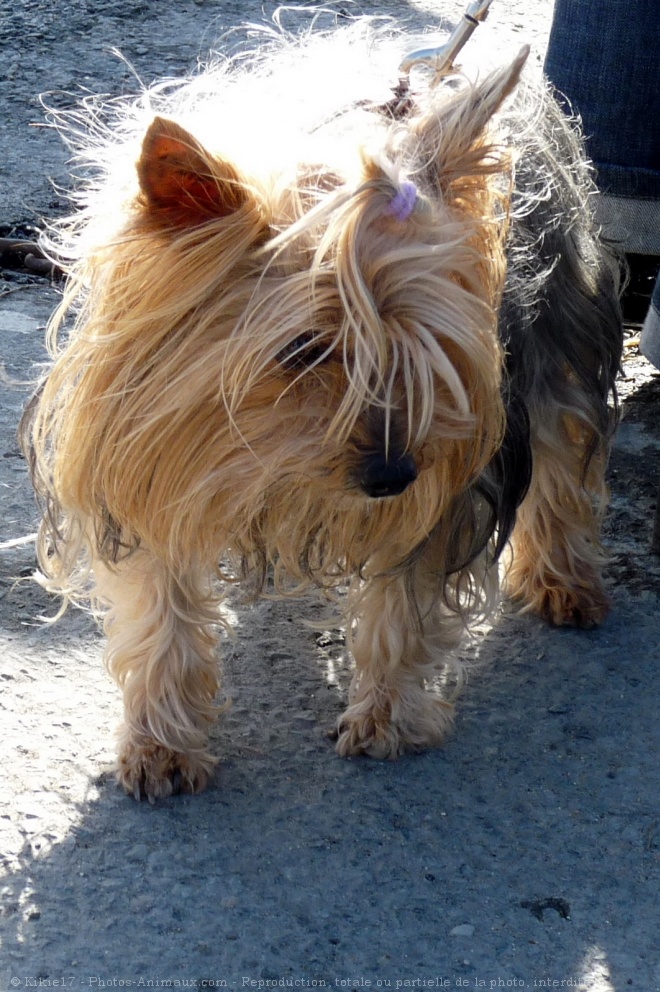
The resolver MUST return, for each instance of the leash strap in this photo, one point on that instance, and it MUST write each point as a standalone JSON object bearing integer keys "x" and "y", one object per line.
{"x": 441, "y": 59}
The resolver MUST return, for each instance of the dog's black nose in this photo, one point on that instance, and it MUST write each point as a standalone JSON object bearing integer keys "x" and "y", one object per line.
{"x": 381, "y": 476}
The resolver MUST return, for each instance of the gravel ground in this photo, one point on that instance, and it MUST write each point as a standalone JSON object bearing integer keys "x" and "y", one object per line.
{"x": 525, "y": 854}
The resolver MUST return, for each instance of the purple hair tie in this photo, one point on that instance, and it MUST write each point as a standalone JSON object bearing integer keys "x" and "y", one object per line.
{"x": 403, "y": 204}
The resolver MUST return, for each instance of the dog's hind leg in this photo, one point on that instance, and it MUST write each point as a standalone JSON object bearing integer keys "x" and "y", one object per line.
{"x": 161, "y": 652}
{"x": 563, "y": 367}
{"x": 560, "y": 324}
{"x": 557, "y": 554}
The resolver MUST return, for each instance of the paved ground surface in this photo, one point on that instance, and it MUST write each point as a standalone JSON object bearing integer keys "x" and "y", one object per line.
{"x": 525, "y": 854}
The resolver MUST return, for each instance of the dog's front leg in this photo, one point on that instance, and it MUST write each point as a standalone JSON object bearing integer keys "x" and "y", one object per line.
{"x": 161, "y": 653}
{"x": 403, "y": 632}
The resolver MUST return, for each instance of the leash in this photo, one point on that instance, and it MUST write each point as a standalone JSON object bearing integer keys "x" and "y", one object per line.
{"x": 441, "y": 59}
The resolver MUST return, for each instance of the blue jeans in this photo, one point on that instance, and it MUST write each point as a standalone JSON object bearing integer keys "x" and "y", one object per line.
{"x": 604, "y": 56}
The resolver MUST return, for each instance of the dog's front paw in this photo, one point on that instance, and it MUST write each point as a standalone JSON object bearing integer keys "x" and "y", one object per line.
{"x": 148, "y": 770}
{"x": 387, "y": 728}
{"x": 366, "y": 732}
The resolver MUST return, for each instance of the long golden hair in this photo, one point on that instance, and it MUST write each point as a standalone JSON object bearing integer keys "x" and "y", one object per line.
{"x": 245, "y": 318}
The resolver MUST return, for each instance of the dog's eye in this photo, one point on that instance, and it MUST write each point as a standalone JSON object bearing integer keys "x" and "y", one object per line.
{"x": 304, "y": 351}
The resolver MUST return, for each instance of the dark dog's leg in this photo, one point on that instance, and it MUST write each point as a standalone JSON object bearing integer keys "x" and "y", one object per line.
{"x": 561, "y": 327}
{"x": 557, "y": 555}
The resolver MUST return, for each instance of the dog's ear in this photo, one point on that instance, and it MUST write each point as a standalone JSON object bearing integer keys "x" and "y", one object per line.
{"x": 487, "y": 97}
{"x": 183, "y": 183}
{"x": 457, "y": 129}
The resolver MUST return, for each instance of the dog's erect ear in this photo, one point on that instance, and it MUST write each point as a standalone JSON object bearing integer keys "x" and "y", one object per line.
{"x": 183, "y": 182}
{"x": 457, "y": 129}
{"x": 488, "y": 97}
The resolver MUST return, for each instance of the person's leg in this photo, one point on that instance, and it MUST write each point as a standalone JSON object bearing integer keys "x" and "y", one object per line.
{"x": 603, "y": 55}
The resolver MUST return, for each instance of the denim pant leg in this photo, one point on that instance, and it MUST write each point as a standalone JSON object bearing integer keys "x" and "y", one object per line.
{"x": 604, "y": 55}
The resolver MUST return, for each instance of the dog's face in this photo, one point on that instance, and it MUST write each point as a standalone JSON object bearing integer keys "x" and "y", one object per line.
{"x": 289, "y": 369}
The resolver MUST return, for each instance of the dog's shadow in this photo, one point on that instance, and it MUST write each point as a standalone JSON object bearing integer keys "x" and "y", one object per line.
{"x": 297, "y": 862}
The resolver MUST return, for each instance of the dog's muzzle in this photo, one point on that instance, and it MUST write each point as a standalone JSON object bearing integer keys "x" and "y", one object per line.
{"x": 380, "y": 476}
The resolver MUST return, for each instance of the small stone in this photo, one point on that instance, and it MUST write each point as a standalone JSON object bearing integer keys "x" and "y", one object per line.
{"x": 463, "y": 930}
{"x": 137, "y": 853}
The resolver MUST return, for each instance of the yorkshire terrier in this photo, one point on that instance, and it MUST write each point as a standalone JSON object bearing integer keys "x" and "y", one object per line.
{"x": 324, "y": 334}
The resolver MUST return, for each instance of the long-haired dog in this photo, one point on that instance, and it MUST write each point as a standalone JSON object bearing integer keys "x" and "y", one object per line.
{"x": 325, "y": 335}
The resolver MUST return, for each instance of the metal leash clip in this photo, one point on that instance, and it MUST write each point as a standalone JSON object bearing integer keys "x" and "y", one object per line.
{"x": 441, "y": 59}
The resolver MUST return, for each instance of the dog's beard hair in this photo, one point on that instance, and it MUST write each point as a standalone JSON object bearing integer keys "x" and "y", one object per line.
{"x": 169, "y": 419}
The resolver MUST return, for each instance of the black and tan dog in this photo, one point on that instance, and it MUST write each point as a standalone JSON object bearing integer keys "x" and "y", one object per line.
{"x": 324, "y": 338}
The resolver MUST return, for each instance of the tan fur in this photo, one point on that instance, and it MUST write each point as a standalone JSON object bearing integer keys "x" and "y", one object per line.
{"x": 557, "y": 553}
{"x": 184, "y": 435}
